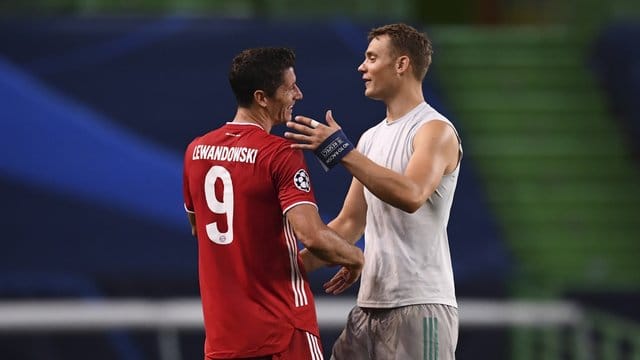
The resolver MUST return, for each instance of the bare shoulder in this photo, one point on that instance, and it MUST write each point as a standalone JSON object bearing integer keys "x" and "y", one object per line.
{"x": 439, "y": 138}
{"x": 437, "y": 130}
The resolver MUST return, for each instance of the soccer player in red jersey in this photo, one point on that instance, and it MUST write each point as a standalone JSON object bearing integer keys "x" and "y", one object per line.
{"x": 248, "y": 197}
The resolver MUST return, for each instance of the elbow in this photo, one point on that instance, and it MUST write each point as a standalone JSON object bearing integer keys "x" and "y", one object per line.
{"x": 407, "y": 205}
{"x": 412, "y": 203}
{"x": 307, "y": 229}
{"x": 410, "y": 199}
{"x": 308, "y": 243}
{"x": 310, "y": 240}
{"x": 411, "y": 206}
{"x": 316, "y": 241}
{"x": 415, "y": 199}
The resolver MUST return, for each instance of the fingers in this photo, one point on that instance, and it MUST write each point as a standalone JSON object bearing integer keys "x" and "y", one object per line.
{"x": 337, "y": 278}
{"x": 336, "y": 282}
{"x": 306, "y": 121}
{"x": 306, "y": 124}
{"x": 301, "y": 127}
{"x": 295, "y": 136}
{"x": 339, "y": 290}
{"x": 330, "y": 120}
{"x": 341, "y": 281}
{"x": 309, "y": 133}
{"x": 335, "y": 286}
{"x": 329, "y": 117}
{"x": 301, "y": 137}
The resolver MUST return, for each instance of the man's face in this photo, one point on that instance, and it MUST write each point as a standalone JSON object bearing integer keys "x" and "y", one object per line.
{"x": 378, "y": 68}
{"x": 285, "y": 97}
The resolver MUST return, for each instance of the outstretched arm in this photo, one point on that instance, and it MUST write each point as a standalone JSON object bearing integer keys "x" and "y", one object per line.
{"x": 349, "y": 223}
{"x": 325, "y": 244}
{"x": 435, "y": 154}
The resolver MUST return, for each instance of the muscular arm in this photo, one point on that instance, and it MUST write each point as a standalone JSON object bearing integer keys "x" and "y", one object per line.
{"x": 321, "y": 241}
{"x": 349, "y": 223}
{"x": 352, "y": 218}
{"x": 435, "y": 154}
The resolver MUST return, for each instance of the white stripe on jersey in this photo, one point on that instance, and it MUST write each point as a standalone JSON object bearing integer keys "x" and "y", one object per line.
{"x": 294, "y": 258}
{"x": 314, "y": 347}
{"x": 297, "y": 282}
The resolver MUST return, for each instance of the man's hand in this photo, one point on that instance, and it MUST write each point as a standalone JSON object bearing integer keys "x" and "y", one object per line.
{"x": 342, "y": 280}
{"x": 328, "y": 142}
{"x": 310, "y": 132}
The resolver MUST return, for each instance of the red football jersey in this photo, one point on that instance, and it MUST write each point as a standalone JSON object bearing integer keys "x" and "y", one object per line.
{"x": 239, "y": 181}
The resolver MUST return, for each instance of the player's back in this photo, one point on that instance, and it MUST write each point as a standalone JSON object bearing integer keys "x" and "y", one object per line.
{"x": 240, "y": 180}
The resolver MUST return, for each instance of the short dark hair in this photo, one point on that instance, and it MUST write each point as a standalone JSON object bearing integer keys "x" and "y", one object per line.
{"x": 259, "y": 69}
{"x": 407, "y": 40}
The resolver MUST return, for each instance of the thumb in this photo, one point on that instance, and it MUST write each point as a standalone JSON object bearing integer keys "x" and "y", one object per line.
{"x": 330, "y": 121}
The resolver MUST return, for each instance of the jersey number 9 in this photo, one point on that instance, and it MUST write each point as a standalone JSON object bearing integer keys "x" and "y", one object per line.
{"x": 219, "y": 207}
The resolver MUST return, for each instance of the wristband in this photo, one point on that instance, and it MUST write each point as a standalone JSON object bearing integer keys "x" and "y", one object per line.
{"x": 333, "y": 149}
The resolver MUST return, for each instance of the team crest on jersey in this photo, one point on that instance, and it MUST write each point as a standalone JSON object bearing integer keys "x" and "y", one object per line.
{"x": 301, "y": 180}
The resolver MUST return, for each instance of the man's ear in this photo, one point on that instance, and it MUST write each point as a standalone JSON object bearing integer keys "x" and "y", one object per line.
{"x": 260, "y": 97}
{"x": 402, "y": 64}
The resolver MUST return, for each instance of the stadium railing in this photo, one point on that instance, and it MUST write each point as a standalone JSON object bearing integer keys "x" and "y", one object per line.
{"x": 587, "y": 334}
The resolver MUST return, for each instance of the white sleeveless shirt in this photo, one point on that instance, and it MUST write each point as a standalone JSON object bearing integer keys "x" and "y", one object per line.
{"x": 407, "y": 259}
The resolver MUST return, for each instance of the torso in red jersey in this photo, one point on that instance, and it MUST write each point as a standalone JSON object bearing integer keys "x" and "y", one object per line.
{"x": 239, "y": 180}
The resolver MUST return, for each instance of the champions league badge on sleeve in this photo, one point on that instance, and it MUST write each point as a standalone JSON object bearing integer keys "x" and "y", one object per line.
{"x": 301, "y": 180}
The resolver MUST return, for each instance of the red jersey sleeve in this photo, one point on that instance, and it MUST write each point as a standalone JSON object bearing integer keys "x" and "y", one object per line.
{"x": 291, "y": 177}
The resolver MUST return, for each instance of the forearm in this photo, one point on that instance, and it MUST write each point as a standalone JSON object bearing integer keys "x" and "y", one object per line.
{"x": 310, "y": 261}
{"x": 325, "y": 244}
{"x": 347, "y": 229}
{"x": 329, "y": 248}
{"x": 389, "y": 186}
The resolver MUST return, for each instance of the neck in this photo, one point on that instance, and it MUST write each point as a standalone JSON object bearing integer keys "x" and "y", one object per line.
{"x": 403, "y": 101}
{"x": 252, "y": 116}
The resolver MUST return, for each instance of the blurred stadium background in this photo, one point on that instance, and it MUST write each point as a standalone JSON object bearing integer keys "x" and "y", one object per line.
{"x": 98, "y": 99}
